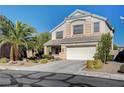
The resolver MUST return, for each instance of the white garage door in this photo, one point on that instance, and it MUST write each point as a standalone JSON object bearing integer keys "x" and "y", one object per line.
{"x": 80, "y": 53}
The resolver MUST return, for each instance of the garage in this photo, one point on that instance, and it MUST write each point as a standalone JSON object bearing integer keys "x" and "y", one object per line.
{"x": 81, "y": 53}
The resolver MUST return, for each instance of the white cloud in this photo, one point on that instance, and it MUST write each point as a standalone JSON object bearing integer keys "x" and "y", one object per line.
{"x": 122, "y": 17}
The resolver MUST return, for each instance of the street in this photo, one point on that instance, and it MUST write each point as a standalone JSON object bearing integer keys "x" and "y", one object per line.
{"x": 13, "y": 78}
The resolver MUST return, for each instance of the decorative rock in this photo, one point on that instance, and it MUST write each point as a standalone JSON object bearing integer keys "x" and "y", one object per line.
{"x": 25, "y": 60}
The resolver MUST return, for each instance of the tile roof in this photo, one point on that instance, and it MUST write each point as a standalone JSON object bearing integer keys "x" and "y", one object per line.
{"x": 53, "y": 43}
{"x": 83, "y": 39}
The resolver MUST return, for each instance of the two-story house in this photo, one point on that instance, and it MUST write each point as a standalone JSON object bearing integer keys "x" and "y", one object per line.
{"x": 77, "y": 36}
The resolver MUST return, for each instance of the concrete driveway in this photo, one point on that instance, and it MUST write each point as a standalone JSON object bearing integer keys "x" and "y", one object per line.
{"x": 63, "y": 66}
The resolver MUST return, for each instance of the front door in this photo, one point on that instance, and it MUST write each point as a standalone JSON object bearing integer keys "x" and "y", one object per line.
{"x": 56, "y": 50}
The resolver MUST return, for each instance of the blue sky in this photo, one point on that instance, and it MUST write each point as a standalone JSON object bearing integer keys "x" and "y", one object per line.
{"x": 44, "y": 18}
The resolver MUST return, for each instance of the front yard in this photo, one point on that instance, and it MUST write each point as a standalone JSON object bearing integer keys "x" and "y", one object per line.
{"x": 111, "y": 67}
{"x": 21, "y": 63}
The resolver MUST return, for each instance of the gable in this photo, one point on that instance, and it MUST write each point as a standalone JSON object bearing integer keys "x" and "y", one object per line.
{"x": 78, "y": 13}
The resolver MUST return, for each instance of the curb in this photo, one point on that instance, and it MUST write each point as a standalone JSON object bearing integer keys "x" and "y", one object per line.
{"x": 102, "y": 75}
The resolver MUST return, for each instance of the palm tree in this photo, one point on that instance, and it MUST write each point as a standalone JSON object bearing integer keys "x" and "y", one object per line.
{"x": 15, "y": 34}
{"x": 38, "y": 40}
{"x": 42, "y": 38}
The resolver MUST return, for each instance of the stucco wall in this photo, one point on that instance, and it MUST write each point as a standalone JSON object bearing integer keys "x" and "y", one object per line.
{"x": 88, "y": 23}
{"x": 60, "y": 28}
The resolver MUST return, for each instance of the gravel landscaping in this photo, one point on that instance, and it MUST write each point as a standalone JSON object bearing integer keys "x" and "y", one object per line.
{"x": 20, "y": 64}
{"x": 112, "y": 67}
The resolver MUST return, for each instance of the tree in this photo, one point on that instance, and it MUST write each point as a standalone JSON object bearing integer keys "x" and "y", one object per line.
{"x": 15, "y": 34}
{"x": 38, "y": 40}
{"x": 104, "y": 47}
{"x": 41, "y": 38}
{"x": 115, "y": 47}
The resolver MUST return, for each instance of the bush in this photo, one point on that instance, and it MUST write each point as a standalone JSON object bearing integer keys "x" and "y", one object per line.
{"x": 42, "y": 61}
{"x": 33, "y": 61}
{"x": 48, "y": 57}
{"x": 51, "y": 57}
{"x": 32, "y": 58}
{"x": 45, "y": 56}
{"x": 90, "y": 64}
{"x": 94, "y": 64}
{"x": 3, "y": 60}
{"x": 121, "y": 68}
{"x": 98, "y": 64}
{"x": 21, "y": 58}
{"x": 109, "y": 58}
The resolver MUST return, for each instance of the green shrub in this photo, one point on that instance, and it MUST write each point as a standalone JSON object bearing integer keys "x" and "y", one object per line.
{"x": 121, "y": 68}
{"x": 45, "y": 56}
{"x": 48, "y": 57}
{"x": 90, "y": 64}
{"x": 98, "y": 64}
{"x": 33, "y": 61}
{"x": 42, "y": 61}
{"x": 32, "y": 58}
{"x": 94, "y": 64}
{"x": 109, "y": 58}
{"x": 51, "y": 57}
{"x": 3, "y": 60}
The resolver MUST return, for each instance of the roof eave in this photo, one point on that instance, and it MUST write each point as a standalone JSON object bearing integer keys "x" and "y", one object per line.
{"x": 57, "y": 26}
{"x": 110, "y": 26}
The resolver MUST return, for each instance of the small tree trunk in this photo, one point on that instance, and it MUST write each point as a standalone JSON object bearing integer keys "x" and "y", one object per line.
{"x": 106, "y": 59}
{"x": 11, "y": 54}
{"x": 16, "y": 52}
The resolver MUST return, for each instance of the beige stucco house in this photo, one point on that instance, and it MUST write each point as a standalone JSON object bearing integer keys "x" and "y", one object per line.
{"x": 77, "y": 36}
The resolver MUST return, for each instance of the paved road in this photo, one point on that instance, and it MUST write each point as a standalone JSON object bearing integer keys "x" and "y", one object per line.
{"x": 9, "y": 78}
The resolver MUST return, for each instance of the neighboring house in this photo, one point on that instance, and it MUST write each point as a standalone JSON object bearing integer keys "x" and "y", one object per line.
{"x": 77, "y": 36}
{"x": 120, "y": 48}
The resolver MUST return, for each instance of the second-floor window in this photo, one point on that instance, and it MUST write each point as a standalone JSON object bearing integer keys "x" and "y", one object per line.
{"x": 59, "y": 35}
{"x": 96, "y": 27}
{"x": 77, "y": 29}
